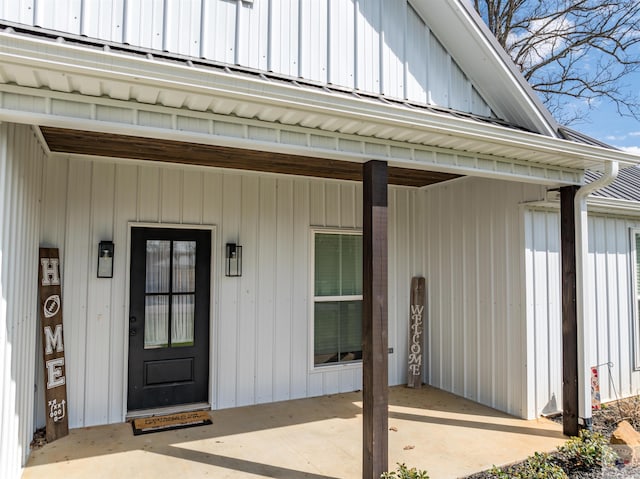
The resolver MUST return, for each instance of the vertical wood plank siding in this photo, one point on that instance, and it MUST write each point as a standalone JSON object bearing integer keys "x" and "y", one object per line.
{"x": 473, "y": 260}
{"x": 261, "y": 349}
{"x": 21, "y": 161}
{"x": 611, "y": 304}
{"x": 378, "y": 46}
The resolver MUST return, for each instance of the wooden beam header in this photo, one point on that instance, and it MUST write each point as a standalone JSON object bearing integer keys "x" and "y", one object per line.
{"x": 94, "y": 143}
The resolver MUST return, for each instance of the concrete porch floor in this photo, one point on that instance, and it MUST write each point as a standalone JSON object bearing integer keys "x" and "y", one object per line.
{"x": 319, "y": 438}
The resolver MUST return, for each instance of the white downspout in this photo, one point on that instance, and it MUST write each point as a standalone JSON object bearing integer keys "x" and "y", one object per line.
{"x": 586, "y": 332}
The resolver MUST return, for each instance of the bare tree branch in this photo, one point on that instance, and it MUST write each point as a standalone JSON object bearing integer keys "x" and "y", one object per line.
{"x": 573, "y": 52}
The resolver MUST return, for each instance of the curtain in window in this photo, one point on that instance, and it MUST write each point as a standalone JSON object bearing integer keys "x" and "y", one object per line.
{"x": 184, "y": 281}
{"x": 170, "y": 293}
{"x": 156, "y": 325}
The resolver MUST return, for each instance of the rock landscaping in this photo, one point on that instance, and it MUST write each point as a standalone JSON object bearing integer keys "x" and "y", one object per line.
{"x": 610, "y": 450}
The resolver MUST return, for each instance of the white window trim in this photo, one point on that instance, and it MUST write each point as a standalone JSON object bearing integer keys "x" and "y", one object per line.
{"x": 313, "y": 368}
{"x": 633, "y": 266}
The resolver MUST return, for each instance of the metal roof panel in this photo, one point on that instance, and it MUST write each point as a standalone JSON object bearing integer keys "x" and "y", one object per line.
{"x": 625, "y": 187}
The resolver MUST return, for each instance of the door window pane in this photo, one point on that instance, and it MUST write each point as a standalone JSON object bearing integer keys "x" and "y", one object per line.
{"x": 182, "y": 317}
{"x": 184, "y": 266}
{"x": 158, "y": 264}
{"x": 170, "y": 270}
{"x": 156, "y": 322}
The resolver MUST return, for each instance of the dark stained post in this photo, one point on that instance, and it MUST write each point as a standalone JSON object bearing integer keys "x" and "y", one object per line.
{"x": 374, "y": 321}
{"x": 569, "y": 312}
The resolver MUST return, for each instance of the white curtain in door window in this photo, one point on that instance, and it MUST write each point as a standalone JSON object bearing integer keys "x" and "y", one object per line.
{"x": 158, "y": 266}
{"x": 184, "y": 281}
{"x": 182, "y": 312}
{"x": 184, "y": 266}
{"x": 156, "y": 323}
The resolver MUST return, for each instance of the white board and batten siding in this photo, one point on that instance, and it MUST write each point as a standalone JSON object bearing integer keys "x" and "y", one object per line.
{"x": 376, "y": 46}
{"x": 610, "y": 297}
{"x": 473, "y": 239}
{"x": 21, "y": 161}
{"x": 261, "y": 326}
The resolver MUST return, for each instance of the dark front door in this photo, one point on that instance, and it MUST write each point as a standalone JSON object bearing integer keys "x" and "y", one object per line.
{"x": 169, "y": 317}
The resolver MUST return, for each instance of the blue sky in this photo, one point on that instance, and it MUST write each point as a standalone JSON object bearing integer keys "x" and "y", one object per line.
{"x": 606, "y": 124}
{"x": 603, "y": 121}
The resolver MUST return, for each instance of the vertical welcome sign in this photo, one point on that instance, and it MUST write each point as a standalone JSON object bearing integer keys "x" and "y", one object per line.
{"x": 53, "y": 344}
{"x": 416, "y": 332}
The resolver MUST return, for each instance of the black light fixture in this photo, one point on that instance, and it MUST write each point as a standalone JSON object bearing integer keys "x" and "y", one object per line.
{"x": 105, "y": 259}
{"x": 233, "y": 263}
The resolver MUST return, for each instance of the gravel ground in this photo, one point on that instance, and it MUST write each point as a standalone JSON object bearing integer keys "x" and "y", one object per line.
{"x": 604, "y": 421}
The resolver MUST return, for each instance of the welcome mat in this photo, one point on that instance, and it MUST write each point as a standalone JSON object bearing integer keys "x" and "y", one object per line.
{"x": 147, "y": 425}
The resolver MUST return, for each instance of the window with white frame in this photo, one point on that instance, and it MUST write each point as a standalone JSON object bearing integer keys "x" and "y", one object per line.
{"x": 337, "y": 293}
{"x": 635, "y": 248}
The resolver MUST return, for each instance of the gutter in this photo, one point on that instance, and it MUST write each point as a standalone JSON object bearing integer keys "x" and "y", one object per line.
{"x": 614, "y": 206}
{"x": 585, "y": 333}
{"x": 610, "y": 174}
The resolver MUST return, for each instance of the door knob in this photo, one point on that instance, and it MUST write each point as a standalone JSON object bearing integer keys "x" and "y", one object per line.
{"x": 132, "y": 331}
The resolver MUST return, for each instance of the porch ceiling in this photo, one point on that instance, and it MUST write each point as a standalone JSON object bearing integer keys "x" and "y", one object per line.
{"x": 122, "y": 146}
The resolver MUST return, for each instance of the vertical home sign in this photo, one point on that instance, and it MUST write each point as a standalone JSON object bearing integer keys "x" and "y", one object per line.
{"x": 53, "y": 344}
{"x": 416, "y": 332}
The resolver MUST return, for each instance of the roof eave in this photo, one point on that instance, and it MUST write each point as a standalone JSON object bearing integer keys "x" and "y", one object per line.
{"x": 284, "y": 99}
{"x": 613, "y": 206}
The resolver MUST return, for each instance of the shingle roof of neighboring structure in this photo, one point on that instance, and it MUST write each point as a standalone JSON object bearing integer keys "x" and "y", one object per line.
{"x": 625, "y": 187}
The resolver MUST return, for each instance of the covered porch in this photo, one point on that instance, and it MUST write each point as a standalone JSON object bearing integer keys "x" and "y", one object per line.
{"x": 111, "y": 162}
{"x": 315, "y": 438}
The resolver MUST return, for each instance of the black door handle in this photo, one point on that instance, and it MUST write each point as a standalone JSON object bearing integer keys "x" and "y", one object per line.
{"x": 132, "y": 331}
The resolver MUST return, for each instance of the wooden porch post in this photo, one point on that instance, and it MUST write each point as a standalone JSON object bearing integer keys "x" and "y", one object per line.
{"x": 569, "y": 312}
{"x": 374, "y": 321}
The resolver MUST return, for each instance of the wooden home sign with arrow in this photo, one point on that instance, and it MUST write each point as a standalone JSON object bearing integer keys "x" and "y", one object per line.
{"x": 53, "y": 344}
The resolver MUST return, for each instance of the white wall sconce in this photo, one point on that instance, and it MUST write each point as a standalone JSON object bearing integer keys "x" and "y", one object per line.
{"x": 105, "y": 259}
{"x": 233, "y": 260}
